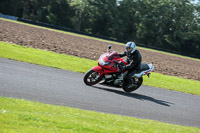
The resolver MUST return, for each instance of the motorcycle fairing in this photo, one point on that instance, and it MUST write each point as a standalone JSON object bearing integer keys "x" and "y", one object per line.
{"x": 106, "y": 61}
{"x": 98, "y": 69}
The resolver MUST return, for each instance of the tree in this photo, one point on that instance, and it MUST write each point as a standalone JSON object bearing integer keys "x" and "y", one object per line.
{"x": 167, "y": 24}
{"x": 59, "y": 13}
{"x": 129, "y": 19}
{"x": 83, "y": 14}
{"x": 105, "y": 17}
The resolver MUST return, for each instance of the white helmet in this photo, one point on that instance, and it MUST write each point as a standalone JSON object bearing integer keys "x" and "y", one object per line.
{"x": 130, "y": 47}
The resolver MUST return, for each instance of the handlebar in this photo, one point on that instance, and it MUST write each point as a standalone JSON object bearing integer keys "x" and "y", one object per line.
{"x": 116, "y": 62}
{"x": 119, "y": 63}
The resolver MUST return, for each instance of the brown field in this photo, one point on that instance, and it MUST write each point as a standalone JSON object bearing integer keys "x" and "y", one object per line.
{"x": 89, "y": 48}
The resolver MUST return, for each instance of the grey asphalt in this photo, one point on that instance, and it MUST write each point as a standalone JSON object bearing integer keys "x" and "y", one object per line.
{"x": 60, "y": 87}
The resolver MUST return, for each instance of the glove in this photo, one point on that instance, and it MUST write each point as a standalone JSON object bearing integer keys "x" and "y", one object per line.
{"x": 122, "y": 67}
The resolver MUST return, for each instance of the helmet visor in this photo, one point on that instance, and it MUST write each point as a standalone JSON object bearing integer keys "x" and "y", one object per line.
{"x": 129, "y": 48}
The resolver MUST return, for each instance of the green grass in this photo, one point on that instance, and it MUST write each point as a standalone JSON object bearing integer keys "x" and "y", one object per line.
{"x": 106, "y": 41}
{"x": 173, "y": 83}
{"x": 17, "y": 115}
{"x": 76, "y": 64}
{"x": 45, "y": 58}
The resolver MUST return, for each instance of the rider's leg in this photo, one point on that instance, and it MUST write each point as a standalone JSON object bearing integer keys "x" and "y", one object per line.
{"x": 130, "y": 82}
{"x": 129, "y": 76}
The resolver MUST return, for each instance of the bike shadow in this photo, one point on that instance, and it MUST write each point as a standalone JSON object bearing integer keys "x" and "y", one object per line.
{"x": 136, "y": 96}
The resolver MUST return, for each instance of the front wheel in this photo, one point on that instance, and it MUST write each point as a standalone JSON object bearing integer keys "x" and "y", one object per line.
{"x": 138, "y": 84}
{"x": 92, "y": 77}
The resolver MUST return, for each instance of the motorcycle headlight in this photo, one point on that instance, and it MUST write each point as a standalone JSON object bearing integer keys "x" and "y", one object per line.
{"x": 103, "y": 63}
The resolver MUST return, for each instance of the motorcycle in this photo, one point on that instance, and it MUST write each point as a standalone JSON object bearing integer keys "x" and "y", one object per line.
{"x": 108, "y": 72}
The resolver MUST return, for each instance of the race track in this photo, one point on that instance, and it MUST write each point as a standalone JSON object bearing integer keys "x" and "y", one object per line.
{"x": 60, "y": 87}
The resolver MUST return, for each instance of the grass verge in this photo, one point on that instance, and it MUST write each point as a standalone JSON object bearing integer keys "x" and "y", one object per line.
{"x": 76, "y": 64}
{"x": 17, "y": 115}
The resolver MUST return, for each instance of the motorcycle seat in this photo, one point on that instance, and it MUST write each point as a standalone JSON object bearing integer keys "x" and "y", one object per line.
{"x": 144, "y": 67}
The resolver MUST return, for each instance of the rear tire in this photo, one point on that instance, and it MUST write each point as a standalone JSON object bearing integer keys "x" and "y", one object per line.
{"x": 92, "y": 77}
{"x": 139, "y": 83}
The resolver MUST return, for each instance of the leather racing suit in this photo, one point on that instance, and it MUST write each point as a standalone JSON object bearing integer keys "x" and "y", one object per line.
{"x": 134, "y": 63}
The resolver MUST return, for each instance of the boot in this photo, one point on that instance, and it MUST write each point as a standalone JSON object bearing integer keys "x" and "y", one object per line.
{"x": 131, "y": 83}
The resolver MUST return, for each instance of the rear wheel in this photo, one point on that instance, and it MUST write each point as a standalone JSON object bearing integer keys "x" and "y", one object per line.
{"x": 138, "y": 84}
{"x": 92, "y": 77}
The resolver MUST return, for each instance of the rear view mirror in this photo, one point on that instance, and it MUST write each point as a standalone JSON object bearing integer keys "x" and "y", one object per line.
{"x": 109, "y": 47}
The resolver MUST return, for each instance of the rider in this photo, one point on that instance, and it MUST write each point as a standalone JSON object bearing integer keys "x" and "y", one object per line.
{"x": 134, "y": 60}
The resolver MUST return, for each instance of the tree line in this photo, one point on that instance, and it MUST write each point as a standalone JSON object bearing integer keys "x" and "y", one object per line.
{"x": 166, "y": 24}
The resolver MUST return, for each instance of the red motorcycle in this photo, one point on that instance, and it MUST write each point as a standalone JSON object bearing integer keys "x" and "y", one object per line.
{"x": 109, "y": 72}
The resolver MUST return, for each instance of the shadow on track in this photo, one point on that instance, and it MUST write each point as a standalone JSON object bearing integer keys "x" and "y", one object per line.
{"x": 136, "y": 96}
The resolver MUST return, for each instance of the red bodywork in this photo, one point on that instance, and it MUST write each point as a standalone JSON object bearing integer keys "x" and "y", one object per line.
{"x": 106, "y": 64}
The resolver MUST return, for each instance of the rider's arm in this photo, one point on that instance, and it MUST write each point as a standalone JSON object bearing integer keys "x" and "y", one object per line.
{"x": 135, "y": 60}
{"x": 122, "y": 54}
{"x": 131, "y": 65}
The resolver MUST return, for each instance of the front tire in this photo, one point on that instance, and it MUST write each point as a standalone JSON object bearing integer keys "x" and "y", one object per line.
{"x": 138, "y": 83}
{"x": 92, "y": 77}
